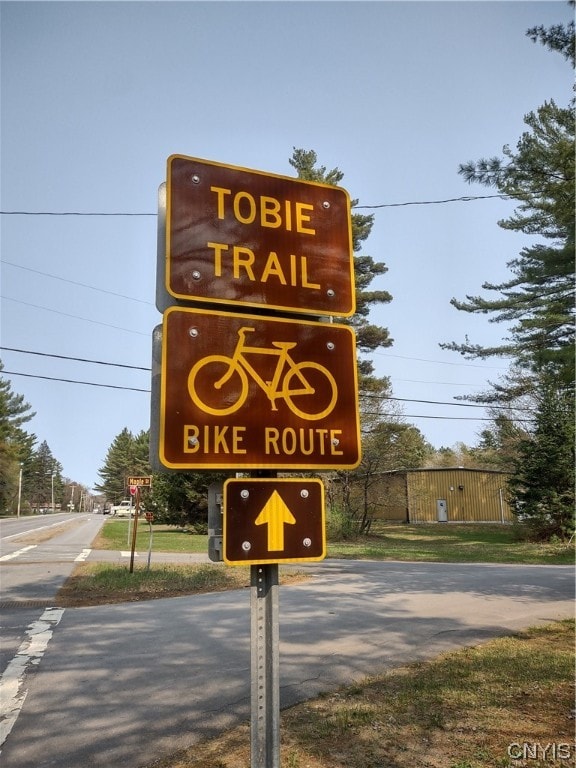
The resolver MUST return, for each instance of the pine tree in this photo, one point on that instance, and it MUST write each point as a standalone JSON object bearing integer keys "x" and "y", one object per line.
{"x": 128, "y": 455}
{"x": 368, "y": 336}
{"x": 539, "y": 303}
{"x": 542, "y": 485}
{"x": 16, "y": 445}
{"x": 14, "y": 410}
{"x": 44, "y": 477}
{"x": 539, "y": 299}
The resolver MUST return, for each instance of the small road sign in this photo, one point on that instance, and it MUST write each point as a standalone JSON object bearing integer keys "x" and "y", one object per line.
{"x": 273, "y": 520}
{"x": 139, "y": 482}
{"x": 242, "y": 237}
{"x": 243, "y": 391}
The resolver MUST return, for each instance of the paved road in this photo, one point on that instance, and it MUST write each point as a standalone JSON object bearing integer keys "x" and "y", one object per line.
{"x": 37, "y": 554}
{"x": 125, "y": 684}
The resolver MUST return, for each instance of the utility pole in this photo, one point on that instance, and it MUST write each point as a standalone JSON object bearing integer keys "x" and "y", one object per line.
{"x": 19, "y": 490}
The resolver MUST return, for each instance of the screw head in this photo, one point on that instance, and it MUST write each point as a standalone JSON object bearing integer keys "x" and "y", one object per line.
{"x": 307, "y": 542}
{"x": 246, "y": 546}
{"x": 331, "y": 346}
{"x": 304, "y": 493}
{"x": 331, "y": 293}
{"x": 244, "y": 494}
{"x": 193, "y": 332}
{"x": 195, "y": 179}
{"x": 326, "y": 204}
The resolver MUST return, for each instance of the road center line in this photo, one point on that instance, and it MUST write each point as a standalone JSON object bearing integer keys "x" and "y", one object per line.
{"x": 18, "y": 552}
{"x": 12, "y": 691}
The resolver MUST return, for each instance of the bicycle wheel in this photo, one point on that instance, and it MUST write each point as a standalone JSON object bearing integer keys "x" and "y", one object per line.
{"x": 217, "y": 385}
{"x": 310, "y": 391}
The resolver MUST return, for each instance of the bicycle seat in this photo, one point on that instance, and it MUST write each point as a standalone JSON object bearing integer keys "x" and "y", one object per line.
{"x": 285, "y": 344}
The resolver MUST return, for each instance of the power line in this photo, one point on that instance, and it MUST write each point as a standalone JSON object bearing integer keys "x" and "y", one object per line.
{"x": 72, "y": 213}
{"x": 142, "y": 368}
{"x": 74, "y": 381}
{"x": 438, "y": 362}
{"x": 440, "y": 402}
{"x": 149, "y": 303}
{"x": 463, "y": 199}
{"x": 368, "y": 395}
{"x": 147, "y": 391}
{"x": 74, "y": 282}
{"x": 76, "y": 317}
{"x": 77, "y": 359}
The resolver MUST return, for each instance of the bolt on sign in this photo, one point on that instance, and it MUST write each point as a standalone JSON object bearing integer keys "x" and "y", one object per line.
{"x": 251, "y": 392}
{"x": 272, "y": 521}
{"x": 246, "y": 238}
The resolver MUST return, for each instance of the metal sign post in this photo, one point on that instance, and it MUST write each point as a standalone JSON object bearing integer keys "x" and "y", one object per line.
{"x": 135, "y": 529}
{"x": 265, "y": 667}
{"x": 266, "y": 390}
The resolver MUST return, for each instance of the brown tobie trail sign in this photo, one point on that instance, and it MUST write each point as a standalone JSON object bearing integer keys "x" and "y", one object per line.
{"x": 245, "y": 238}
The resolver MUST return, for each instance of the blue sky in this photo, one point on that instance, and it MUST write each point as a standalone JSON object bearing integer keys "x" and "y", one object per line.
{"x": 96, "y": 96}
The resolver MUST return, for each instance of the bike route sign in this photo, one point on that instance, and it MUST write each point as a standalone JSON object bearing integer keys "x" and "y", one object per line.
{"x": 272, "y": 521}
{"x": 249, "y": 392}
{"x": 244, "y": 238}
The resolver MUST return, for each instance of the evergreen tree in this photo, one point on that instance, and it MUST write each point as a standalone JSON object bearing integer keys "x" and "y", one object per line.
{"x": 539, "y": 303}
{"x": 44, "y": 477}
{"x": 128, "y": 455}
{"x": 539, "y": 299}
{"x": 16, "y": 445}
{"x": 542, "y": 486}
{"x": 181, "y": 498}
{"x": 368, "y": 336}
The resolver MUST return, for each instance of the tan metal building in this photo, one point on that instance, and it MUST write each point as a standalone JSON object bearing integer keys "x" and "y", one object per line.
{"x": 450, "y": 495}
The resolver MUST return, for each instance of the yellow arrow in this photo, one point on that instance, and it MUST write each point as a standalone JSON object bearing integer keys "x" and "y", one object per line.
{"x": 275, "y": 514}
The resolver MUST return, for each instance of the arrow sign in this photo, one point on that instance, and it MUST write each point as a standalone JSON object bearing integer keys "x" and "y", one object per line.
{"x": 275, "y": 515}
{"x": 271, "y": 520}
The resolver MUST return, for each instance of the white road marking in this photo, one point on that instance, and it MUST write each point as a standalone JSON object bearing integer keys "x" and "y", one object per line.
{"x": 12, "y": 690}
{"x": 82, "y": 556}
{"x": 17, "y": 553}
{"x": 129, "y": 554}
{"x": 34, "y": 530}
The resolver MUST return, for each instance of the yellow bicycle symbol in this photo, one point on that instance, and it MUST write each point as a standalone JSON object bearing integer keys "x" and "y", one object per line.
{"x": 218, "y": 384}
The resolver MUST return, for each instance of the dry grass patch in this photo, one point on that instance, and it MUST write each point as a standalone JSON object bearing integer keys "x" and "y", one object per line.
{"x": 102, "y": 583}
{"x": 461, "y": 710}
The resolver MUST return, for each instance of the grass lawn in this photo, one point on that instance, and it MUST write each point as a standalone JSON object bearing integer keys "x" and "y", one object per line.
{"x": 165, "y": 538}
{"x": 452, "y": 543}
{"x": 473, "y": 708}
{"x": 433, "y": 543}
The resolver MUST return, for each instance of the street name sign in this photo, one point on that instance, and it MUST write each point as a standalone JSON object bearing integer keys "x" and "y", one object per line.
{"x": 273, "y": 520}
{"x": 140, "y": 482}
{"x": 244, "y": 238}
{"x": 250, "y": 392}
